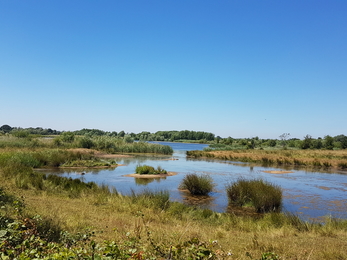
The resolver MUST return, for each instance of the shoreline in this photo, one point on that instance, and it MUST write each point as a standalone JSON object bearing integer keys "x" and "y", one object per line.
{"x": 148, "y": 176}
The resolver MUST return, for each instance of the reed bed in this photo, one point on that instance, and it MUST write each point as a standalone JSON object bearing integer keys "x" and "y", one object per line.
{"x": 116, "y": 145}
{"x": 307, "y": 158}
{"x": 103, "y": 143}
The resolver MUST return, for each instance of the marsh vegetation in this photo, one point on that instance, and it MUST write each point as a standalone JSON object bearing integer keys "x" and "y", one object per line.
{"x": 92, "y": 221}
{"x": 53, "y": 217}
{"x": 197, "y": 184}
{"x": 304, "y": 158}
{"x": 257, "y": 193}
{"x": 146, "y": 169}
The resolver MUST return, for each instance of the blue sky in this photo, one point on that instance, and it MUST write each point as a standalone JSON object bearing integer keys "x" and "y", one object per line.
{"x": 233, "y": 68}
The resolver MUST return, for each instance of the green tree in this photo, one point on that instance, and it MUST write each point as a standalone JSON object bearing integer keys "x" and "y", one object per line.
{"x": 272, "y": 143}
{"x": 317, "y": 143}
{"x": 121, "y": 134}
{"x": 306, "y": 143}
{"x": 328, "y": 142}
{"x": 342, "y": 139}
{"x": 284, "y": 138}
{"x": 6, "y": 128}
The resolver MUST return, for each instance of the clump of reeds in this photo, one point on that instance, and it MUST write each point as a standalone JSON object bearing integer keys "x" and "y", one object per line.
{"x": 146, "y": 169}
{"x": 262, "y": 195}
{"x": 156, "y": 199}
{"x": 197, "y": 184}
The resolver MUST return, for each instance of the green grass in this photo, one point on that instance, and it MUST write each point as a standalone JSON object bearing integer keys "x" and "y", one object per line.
{"x": 146, "y": 169}
{"x": 103, "y": 143}
{"x": 262, "y": 195}
{"x": 88, "y": 163}
{"x": 154, "y": 199}
{"x": 197, "y": 184}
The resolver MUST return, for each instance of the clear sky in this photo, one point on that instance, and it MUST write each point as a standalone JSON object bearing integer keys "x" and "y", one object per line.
{"x": 234, "y": 68}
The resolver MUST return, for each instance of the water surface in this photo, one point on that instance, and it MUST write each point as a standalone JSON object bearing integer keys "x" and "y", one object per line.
{"x": 309, "y": 194}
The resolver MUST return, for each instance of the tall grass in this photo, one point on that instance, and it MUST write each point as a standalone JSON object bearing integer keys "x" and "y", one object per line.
{"x": 116, "y": 145}
{"x": 197, "y": 184}
{"x": 262, "y": 195}
{"x": 303, "y": 158}
{"x": 146, "y": 169}
{"x": 154, "y": 199}
{"x": 104, "y": 143}
{"x": 42, "y": 158}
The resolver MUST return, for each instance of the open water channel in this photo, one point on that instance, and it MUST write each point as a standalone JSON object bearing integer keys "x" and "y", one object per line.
{"x": 310, "y": 195}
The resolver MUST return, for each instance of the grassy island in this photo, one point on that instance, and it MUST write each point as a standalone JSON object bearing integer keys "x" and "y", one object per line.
{"x": 146, "y": 169}
{"x": 320, "y": 159}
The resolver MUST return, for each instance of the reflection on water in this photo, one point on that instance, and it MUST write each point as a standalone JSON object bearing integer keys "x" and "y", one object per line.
{"x": 146, "y": 181}
{"x": 310, "y": 194}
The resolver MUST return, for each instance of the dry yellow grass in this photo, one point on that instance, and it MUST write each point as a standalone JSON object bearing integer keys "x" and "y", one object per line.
{"x": 111, "y": 216}
{"x": 310, "y": 158}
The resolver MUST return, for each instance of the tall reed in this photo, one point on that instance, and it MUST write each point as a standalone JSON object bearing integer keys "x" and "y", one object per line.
{"x": 262, "y": 195}
{"x": 197, "y": 184}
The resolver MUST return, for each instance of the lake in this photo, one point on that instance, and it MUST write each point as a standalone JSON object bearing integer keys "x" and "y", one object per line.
{"x": 310, "y": 195}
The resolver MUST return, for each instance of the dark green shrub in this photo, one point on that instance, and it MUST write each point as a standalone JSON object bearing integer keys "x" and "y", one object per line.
{"x": 20, "y": 133}
{"x": 262, "y": 195}
{"x": 197, "y": 185}
{"x": 67, "y": 137}
{"x": 85, "y": 142}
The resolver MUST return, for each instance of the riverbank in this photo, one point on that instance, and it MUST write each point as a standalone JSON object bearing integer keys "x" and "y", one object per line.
{"x": 319, "y": 159}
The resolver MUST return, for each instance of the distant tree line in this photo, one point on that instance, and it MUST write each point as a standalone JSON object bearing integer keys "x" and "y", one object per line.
{"x": 175, "y": 136}
{"x": 29, "y": 130}
{"x": 308, "y": 142}
{"x": 284, "y": 141}
{"x": 143, "y": 136}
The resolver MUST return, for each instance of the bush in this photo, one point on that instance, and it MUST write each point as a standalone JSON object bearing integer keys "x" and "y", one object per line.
{"x": 85, "y": 142}
{"x": 146, "y": 169}
{"x": 262, "y": 195}
{"x": 197, "y": 185}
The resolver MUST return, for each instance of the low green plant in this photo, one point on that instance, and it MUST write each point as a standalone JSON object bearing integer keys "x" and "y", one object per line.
{"x": 197, "y": 184}
{"x": 146, "y": 169}
{"x": 262, "y": 195}
{"x": 269, "y": 256}
{"x": 87, "y": 163}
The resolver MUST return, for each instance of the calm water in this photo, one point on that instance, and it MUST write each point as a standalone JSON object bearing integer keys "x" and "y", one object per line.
{"x": 309, "y": 194}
